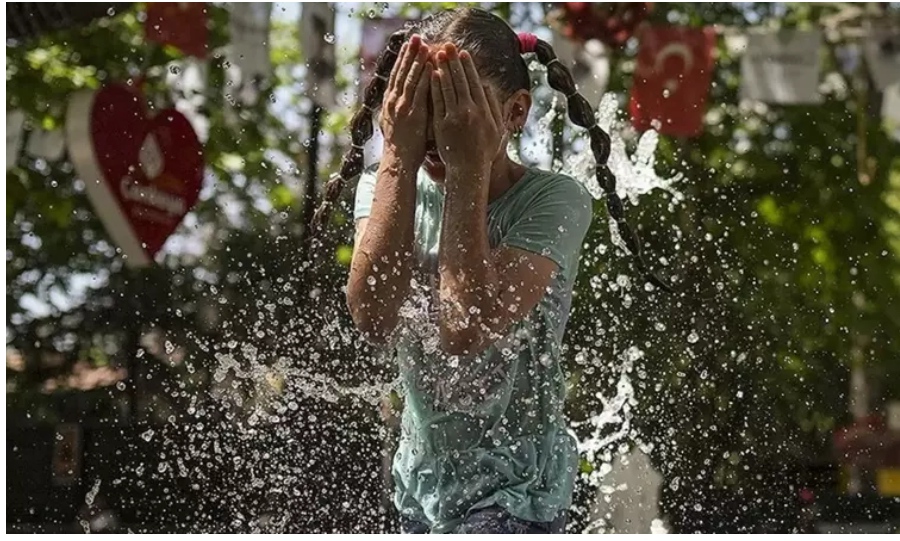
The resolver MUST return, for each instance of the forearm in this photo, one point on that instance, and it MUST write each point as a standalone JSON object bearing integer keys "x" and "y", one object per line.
{"x": 469, "y": 280}
{"x": 383, "y": 258}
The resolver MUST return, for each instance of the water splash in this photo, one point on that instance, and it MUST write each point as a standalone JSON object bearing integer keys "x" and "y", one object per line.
{"x": 250, "y": 385}
{"x": 611, "y": 427}
{"x": 635, "y": 173}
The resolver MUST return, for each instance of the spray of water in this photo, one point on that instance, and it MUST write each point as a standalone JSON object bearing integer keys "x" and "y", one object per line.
{"x": 254, "y": 391}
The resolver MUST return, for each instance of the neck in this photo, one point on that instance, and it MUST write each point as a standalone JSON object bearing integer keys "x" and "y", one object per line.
{"x": 504, "y": 173}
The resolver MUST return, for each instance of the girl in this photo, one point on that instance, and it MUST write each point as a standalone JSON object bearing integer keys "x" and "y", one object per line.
{"x": 464, "y": 263}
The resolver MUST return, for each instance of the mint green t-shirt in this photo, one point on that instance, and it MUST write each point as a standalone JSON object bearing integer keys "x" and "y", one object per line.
{"x": 489, "y": 429}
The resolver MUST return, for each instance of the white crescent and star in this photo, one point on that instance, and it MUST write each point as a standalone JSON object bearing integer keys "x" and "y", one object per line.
{"x": 674, "y": 49}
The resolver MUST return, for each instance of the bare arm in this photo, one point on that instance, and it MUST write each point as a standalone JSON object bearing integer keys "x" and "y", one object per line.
{"x": 382, "y": 262}
{"x": 482, "y": 293}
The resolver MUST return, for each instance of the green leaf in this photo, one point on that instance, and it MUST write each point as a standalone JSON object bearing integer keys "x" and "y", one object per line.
{"x": 281, "y": 197}
{"x": 344, "y": 254}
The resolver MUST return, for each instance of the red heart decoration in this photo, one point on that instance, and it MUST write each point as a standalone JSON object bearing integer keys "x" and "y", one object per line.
{"x": 143, "y": 174}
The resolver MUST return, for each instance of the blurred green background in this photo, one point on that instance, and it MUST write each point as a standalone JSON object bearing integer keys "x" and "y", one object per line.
{"x": 232, "y": 353}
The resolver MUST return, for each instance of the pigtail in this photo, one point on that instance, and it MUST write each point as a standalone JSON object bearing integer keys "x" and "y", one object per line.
{"x": 361, "y": 130}
{"x": 582, "y": 114}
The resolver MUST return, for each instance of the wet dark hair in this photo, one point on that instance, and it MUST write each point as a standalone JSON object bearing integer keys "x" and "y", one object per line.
{"x": 497, "y": 53}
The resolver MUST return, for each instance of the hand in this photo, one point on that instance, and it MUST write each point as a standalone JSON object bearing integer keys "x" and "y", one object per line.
{"x": 468, "y": 119}
{"x": 404, "y": 111}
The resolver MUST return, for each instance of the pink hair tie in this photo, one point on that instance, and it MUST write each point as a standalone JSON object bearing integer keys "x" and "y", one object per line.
{"x": 527, "y": 42}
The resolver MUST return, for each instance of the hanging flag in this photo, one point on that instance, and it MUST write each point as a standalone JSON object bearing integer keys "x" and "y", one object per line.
{"x": 588, "y": 63}
{"x": 882, "y": 52}
{"x": 782, "y": 67}
{"x": 613, "y": 23}
{"x": 142, "y": 172}
{"x": 671, "y": 81}
{"x": 375, "y": 34}
{"x": 48, "y": 145}
{"x": 249, "y": 25}
{"x": 317, "y": 38}
{"x": 15, "y": 124}
{"x": 890, "y": 110}
{"x": 180, "y": 24}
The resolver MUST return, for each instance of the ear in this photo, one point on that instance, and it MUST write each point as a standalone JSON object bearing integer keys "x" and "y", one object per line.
{"x": 515, "y": 110}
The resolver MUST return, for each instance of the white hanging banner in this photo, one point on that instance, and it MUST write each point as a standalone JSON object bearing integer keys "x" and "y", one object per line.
{"x": 187, "y": 80}
{"x": 890, "y": 110}
{"x": 782, "y": 67}
{"x": 15, "y": 123}
{"x": 588, "y": 64}
{"x": 249, "y": 25}
{"x": 882, "y": 51}
{"x": 317, "y": 39}
{"x": 48, "y": 145}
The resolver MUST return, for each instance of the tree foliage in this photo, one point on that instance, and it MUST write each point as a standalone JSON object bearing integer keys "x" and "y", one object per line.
{"x": 785, "y": 249}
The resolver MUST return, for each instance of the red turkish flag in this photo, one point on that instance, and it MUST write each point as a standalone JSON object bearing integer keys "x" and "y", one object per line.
{"x": 180, "y": 24}
{"x": 671, "y": 82}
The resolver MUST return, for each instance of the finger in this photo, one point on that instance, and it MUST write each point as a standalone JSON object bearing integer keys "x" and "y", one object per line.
{"x": 458, "y": 75}
{"x": 475, "y": 87}
{"x": 415, "y": 72}
{"x": 437, "y": 95}
{"x": 398, "y": 66}
{"x": 422, "y": 91}
{"x": 404, "y": 63}
{"x": 445, "y": 81}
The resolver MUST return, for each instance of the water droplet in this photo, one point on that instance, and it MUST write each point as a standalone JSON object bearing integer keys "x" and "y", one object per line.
{"x": 693, "y": 338}
{"x": 148, "y": 435}
{"x": 328, "y": 37}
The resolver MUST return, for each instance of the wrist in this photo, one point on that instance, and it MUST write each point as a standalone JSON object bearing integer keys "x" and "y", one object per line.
{"x": 401, "y": 159}
{"x": 472, "y": 180}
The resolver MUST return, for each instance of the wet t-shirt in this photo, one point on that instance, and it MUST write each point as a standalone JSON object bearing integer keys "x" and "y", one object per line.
{"x": 488, "y": 429}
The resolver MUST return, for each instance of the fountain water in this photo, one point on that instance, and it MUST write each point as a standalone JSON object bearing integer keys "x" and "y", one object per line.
{"x": 256, "y": 392}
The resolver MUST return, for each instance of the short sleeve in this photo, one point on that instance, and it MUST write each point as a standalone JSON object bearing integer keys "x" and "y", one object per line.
{"x": 554, "y": 223}
{"x": 365, "y": 193}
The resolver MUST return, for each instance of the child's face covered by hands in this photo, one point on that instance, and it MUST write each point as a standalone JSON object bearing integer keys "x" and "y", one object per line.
{"x": 434, "y": 163}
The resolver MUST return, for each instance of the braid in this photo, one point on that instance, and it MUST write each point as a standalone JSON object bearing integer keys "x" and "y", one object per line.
{"x": 581, "y": 114}
{"x": 360, "y": 129}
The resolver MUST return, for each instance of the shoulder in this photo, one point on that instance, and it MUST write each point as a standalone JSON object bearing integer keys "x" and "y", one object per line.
{"x": 549, "y": 187}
